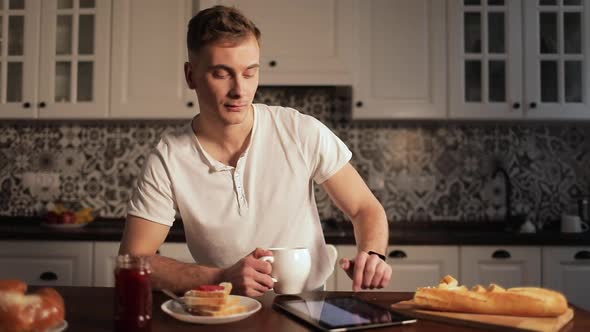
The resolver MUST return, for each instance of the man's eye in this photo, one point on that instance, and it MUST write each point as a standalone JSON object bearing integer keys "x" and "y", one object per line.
{"x": 220, "y": 74}
{"x": 250, "y": 74}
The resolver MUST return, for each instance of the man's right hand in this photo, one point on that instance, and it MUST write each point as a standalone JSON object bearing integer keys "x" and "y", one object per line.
{"x": 250, "y": 276}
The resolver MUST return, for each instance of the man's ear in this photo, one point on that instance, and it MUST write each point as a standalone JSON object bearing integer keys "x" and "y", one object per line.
{"x": 188, "y": 75}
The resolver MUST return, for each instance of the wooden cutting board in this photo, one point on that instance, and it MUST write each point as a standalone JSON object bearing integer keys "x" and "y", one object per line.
{"x": 491, "y": 322}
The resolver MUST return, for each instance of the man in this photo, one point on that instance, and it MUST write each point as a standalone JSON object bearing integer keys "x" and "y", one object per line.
{"x": 241, "y": 177}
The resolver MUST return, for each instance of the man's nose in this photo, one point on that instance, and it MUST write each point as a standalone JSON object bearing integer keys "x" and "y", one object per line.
{"x": 236, "y": 88}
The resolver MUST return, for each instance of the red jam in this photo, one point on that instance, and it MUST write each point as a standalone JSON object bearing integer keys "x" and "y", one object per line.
{"x": 133, "y": 295}
{"x": 210, "y": 288}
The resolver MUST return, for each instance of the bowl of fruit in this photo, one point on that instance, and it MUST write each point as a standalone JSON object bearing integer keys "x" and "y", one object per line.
{"x": 61, "y": 216}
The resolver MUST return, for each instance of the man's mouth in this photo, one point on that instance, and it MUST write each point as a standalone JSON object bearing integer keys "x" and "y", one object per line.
{"x": 235, "y": 107}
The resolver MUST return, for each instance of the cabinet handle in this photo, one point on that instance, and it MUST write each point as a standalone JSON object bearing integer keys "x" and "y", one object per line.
{"x": 272, "y": 63}
{"x": 516, "y": 106}
{"x": 157, "y": 252}
{"x": 359, "y": 104}
{"x": 501, "y": 254}
{"x": 190, "y": 104}
{"x": 533, "y": 105}
{"x": 584, "y": 254}
{"x": 27, "y": 105}
{"x": 42, "y": 104}
{"x": 397, "y": 254}
{"x": 48, "y": 276}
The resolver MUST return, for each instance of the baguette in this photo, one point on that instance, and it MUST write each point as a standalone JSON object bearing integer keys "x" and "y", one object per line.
{"x": 494, "y": 300}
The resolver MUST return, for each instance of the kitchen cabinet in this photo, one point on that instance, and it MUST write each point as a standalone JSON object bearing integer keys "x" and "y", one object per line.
{"x": 412, "y": 266}
{"x": 567, "y": 269}
{"x": 304, "y": 42}
{"x": 56, "y": 59}
{"x": 105, "y": 254}
{"x": 147, "y": 75}
{"x": 400, "y": 71}
{"x": 521, "y": 59}
{"x": 507, "y": 266}
{"x": 47, "y": 263}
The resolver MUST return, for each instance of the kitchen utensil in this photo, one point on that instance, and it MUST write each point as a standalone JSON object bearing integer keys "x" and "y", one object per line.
{"x": 572, "y": 224}
{"x": 495, "y": 322}
{"x": 175, "y": 298}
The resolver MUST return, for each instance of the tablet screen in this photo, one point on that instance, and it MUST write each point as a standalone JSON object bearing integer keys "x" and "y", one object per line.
{"x": 342, "y": 313}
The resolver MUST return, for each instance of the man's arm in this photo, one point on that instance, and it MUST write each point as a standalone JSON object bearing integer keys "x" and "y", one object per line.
{"x": 351, "y": 195}
{"x": 143, "y": 238}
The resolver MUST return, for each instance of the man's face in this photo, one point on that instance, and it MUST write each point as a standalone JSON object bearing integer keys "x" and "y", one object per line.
{"x": 225, "y": 77}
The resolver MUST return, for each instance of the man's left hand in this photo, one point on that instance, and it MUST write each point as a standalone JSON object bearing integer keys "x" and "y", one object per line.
{"x": 366, "y": 271}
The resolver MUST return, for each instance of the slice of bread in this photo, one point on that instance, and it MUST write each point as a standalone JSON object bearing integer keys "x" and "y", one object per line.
{"x": 221, "y": 290}
{"x": 225, "y": 311}
{"x": 213, "y": 300}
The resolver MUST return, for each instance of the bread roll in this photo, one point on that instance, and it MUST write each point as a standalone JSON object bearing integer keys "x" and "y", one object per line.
{"x": 39, "y": 311}
{"x": 495, "y": 300}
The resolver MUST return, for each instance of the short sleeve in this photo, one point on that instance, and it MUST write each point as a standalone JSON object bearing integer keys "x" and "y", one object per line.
{"x": 325, "y": 153}
{"x": 152, "y": 197}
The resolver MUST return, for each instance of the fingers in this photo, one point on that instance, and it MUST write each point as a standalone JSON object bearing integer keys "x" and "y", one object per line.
{"x": 260, "y": 252}
{"x": 359, "y": 269}
{"x": 382, "y": 276}
{"x": 371, "y": 272}
{"x": 367, "y": 271}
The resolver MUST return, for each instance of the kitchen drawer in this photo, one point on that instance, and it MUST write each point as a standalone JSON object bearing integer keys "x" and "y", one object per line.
{"x": 507, "y": 266}
{"x": 50, "y": 263}
{"x": 412, "y": 266}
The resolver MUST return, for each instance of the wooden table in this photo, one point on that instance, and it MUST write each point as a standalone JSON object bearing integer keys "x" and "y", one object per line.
{"x": 90, "y": 309}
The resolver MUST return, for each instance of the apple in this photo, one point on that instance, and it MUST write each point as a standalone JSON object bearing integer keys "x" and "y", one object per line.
{"x": 52, "y": 218}
{"x": 68, "y": 217}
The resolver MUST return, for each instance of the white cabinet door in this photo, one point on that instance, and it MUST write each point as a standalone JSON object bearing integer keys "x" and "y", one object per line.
{"x": 49, "y": 263}
{"x": 177, "y": 251}
{"x": 485, "y": 59}
{"x": 19, "y": 58}
{"x": 412, "y": 266}
{"x": 105, "y": 255}
{"x": 74, "y": 61}
{"x": 148, "y": 56}
{"x": 506, "y": 266}
{"x": 401, "y": 70}
{"x": 557, "y": 56}
{"x": 567, "y": 269}
{"x": 304, "y": 42}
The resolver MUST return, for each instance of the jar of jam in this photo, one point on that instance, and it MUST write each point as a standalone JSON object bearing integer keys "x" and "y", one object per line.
{"x": 133, "y": 294}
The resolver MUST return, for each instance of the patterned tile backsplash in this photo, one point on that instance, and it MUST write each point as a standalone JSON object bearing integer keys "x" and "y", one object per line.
{"x": 420, "y": 171}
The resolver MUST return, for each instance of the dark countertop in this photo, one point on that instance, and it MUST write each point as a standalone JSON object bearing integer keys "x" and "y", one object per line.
{"x": 98, "y": 317}
{"x": 403, "y": 233}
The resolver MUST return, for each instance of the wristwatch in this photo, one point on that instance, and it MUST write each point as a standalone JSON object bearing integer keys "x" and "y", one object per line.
{"x": 371, "y": 252}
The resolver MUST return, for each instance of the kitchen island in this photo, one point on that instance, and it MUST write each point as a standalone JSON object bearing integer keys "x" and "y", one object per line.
{"x": 90, "y": 309}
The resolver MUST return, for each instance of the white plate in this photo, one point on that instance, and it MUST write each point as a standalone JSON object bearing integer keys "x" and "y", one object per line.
{"x": 61, "y": 327}
{"x": 175, "y": 310}
{"x": 63, "y": 226}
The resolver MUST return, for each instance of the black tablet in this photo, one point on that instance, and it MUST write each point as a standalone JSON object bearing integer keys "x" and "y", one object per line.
{"x": 343, "y": 313}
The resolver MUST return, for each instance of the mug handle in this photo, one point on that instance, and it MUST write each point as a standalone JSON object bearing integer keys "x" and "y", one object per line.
{"x": 584, "y": 226}
{"x": 271, "y": 260}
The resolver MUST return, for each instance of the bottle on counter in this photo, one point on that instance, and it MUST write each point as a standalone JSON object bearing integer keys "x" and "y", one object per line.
{"x": 133, "y": 294}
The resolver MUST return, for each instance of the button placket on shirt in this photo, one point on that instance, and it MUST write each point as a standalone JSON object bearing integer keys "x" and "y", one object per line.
{"x": 242, "y": 203}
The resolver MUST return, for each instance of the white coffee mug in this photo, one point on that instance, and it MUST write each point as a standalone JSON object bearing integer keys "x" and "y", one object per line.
{"x": 572, "y": 224}
{"x": 290, "y": 269}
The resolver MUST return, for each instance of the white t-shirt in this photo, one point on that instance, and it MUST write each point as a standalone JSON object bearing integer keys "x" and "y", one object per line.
{"x": 266, "y": 201}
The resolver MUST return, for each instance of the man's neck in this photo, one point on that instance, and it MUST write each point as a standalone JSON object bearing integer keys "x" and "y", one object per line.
{"x": 224, "y": 142}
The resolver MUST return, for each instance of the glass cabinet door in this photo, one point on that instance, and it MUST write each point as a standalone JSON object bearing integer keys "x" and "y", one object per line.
{"x": 556, "y": 58}
{"x": 18, "y": 57}
{"x": 485, "y": 58}
{"x": 74, "y": 63}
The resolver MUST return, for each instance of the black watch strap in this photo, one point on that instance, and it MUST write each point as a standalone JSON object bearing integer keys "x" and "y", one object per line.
{"x": 378, "y": 255}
